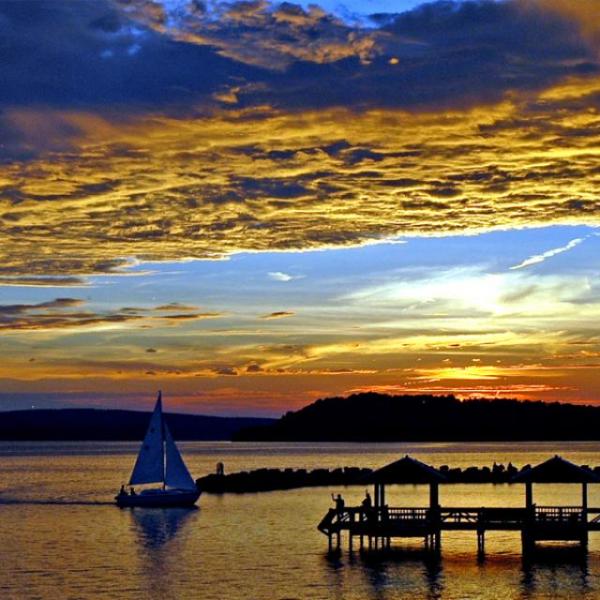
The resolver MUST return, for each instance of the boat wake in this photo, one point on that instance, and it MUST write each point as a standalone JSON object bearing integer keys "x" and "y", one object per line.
{"x": 54, "y": 502}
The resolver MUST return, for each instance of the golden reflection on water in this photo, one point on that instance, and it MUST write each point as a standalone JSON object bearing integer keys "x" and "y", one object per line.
{"x": 62, "y": 538}
{"x": 160, "y": 535}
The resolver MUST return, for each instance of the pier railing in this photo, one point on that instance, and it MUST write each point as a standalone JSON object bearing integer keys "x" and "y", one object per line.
{"x": 559, "y": 514}
{"x": 356, "y": 517}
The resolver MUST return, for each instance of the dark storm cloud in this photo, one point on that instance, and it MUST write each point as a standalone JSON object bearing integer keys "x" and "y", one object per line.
{"x": 85, "y": 53}
{"x": 126, "y": 58}
{"x": 441, "y": 54}
{"x": 104, "y": 54}
{"x": 464, "y": 54}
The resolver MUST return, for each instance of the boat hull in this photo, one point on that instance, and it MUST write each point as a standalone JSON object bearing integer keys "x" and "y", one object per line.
{"x": 158, "y": 498}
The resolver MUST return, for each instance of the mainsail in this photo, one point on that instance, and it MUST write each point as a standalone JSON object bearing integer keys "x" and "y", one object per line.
{"x": 149, "y": 466}
{"x": 159, "y": 460}
{"x": 176, "y": 473}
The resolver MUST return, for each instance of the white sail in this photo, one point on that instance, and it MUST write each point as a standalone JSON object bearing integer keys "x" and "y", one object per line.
{"x": 176, "y": 473}
{"x": 150, "y": 466}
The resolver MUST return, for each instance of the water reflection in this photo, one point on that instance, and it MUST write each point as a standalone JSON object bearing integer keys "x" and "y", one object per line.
{"x": 412, "y": 571}
{"x": 160, "y": 536}
{"x": 384, "y": 574}
{"x": 157, "y": 526}
{"x": 551, "y": 572}
{"x": 547, "y": 570}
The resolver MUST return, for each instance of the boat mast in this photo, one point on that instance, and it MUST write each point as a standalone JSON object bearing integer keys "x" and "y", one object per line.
{"x": 162, "y": 435}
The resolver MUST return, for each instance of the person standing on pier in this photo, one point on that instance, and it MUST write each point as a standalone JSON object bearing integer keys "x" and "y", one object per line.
{"x": 367, "y": 507}
{"x": 367, "y": 503}
{"x": 339, "y": 503}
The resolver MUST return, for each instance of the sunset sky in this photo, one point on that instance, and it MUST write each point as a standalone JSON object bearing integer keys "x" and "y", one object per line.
{"x": 252, "y": 205}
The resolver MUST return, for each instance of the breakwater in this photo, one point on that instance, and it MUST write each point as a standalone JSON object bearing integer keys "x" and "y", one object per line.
{"x": 265, "y": 480}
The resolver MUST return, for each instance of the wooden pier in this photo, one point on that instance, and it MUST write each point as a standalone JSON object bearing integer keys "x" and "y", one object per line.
{"x": 376, "y": 526}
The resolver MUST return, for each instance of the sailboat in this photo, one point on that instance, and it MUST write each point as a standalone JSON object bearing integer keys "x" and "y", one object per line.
{"x": 159, "y": 462}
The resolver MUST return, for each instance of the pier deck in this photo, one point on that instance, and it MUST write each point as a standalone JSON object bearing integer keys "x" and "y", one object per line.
{"x": 379, "y": 525}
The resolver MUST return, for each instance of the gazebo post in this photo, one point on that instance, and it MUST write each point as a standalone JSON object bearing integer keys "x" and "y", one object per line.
{"x": 434, "y": 495}
{"x": 434, "y": 514}
{"x": 527, "y": 531}
{"x": 528, "y": 495}
{"x": 584, "y": 517}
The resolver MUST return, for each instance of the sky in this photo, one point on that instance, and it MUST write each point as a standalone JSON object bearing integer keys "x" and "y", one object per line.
{"x": 251, "y": 205}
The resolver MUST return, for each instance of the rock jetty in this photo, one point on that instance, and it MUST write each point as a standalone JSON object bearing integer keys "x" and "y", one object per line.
{"x": 265, "y": 480}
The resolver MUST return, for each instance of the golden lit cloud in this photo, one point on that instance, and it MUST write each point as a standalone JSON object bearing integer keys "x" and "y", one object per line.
{"x": 160, "y": 188}
{"x": 517, "y": 391}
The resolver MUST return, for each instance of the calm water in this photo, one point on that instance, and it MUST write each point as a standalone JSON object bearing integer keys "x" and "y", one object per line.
{"x": 60, "y": 536}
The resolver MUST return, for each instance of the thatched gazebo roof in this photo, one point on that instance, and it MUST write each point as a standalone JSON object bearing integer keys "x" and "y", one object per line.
{"x": 407, "y": 470}
{"x": 556, "y": 470}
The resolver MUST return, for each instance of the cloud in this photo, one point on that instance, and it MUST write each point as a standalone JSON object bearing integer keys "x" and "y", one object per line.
{"x": 100, "y": 58}
{"x": 283, "y": 277}
{"x": 176, "y": 306}
{"x": 505, "y": 390}
{"x": 192, "y": 316}
{"x": 442, "y": 53}
{"x": 321, "y": 143}
{"x": 261, "y": 54}
{"x": 539, "y": 258}
{"x": 257, "y": 32}
{"x": 43, "y": 307}
{"x": 23, "y": 281}
{"x": 225, "y": 370}
{"x": 199, "y": 205}
{"x": 36, "y": 318}
{"x": 59, "y": 314}
{"x": 583, "y": 12}
{"x": 281, "y": 314}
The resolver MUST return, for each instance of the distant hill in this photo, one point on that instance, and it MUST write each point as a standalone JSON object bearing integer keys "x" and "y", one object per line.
{"x": 378, "y": 417}
{"x": 93, "y": 424}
